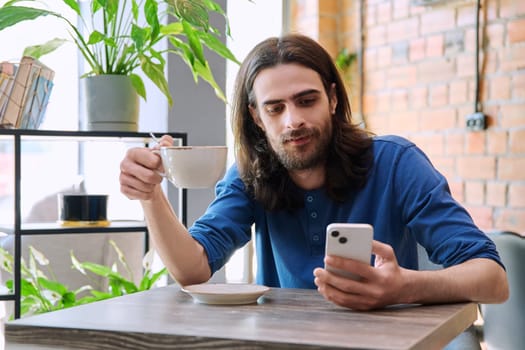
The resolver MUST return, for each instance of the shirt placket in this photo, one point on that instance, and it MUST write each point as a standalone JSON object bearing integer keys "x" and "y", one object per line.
{"x": 315, "y": 226}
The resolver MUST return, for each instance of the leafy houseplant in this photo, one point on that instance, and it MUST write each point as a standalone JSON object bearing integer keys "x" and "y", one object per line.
{"x": 119, "y": 37}
{"x": 40, "y": 293}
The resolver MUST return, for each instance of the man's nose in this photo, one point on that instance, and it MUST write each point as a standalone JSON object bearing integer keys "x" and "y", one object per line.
{"x": 293, "y": 118}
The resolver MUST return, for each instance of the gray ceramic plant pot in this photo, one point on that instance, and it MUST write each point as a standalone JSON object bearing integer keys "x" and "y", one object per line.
{"x": 112, "y": 103}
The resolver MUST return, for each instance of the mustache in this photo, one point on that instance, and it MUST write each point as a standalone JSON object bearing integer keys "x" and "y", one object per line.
{"x": 297, "y": 134}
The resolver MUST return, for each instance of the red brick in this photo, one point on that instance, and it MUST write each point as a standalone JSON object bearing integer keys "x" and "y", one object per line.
{"x": 517, "y": 141}
{"x": 456, "y": 188}
{"x": 466, "y": 16}
{"x": 400, "y": 8}
{"x": 491, "y": 10}
{"x": 482, "y": 216}
{"x": 418, "y": 97}
{"x": 384, "y": 12}
{"x": 458, "y": 91}
{"x": 477, "y": 167}
{"x": 383, "y": 102}
{"x": 416, "y": 49}
{"x": 403, "y": 122}
{"x": 403, "y": 30}
{"x": 376, "y": 36}
{"x": 491, "y": 63}
{"x": 375, "y": 81}
{"x": 517, "y": 195}
{"x": 483, "y": 90}
{"x": 417, "y": 10}
{"x": 398, "y": 77}
{"x": 474, "y": 192}
{"x": 438, "y": 95}
{"x": 511, "y": 168}
{"x": 518, "y": 86}
{"x": 369, "y": 103}
{"x": 475, "y": 143}
{"x": 470, "y": 41}
{"x": 511, "y": 8}
{"x": 497, "y": 141}
{"x": 370, "y": 60}
{"x": 377, "y": 123}
{"x": 465, "y": 65}
{"x": 399, "y": 100}
{"x": 455, "y": 144}
{"x": 435, "y": 45}
{"x": 433, "y": 145}
{"x": 495, "y": 35}
{"x": 371, "y": 14}
{"x": 511, "y": 219}
{"x": 516, "y": 30}
{"x": 438, "y": 119}
{"x": 491, "y": 115}
{"x": 400, "y": 53}
{"x": 496, "y": 193}
{"x": 513, "y": 115}
{"x": 435, "y": 70}
{"x": 499, "y": 87}
{"x": 384, "y": 56}
{"x": 445, "y": 165}
{"x": 438, "y": 20}
{"x": 512, "y": 58}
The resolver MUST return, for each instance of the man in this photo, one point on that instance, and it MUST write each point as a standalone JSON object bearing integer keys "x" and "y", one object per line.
{"x": 301, "y": 165}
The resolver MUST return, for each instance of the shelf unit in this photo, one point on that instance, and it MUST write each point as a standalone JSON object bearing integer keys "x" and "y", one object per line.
{"x": 20, "y": 229}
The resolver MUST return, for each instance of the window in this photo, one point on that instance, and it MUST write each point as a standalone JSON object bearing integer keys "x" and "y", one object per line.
{"x": 46, "y": 160}
{"x": 250, "y": 22}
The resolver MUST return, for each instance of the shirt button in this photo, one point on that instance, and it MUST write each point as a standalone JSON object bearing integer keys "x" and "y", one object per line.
{"x": 309, "y": 199}
{"x": 313, "y": 215}
{"x": 315, "y": 238}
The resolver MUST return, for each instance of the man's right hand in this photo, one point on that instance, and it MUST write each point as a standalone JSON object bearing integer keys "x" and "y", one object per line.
{"x": 140, "y": 171}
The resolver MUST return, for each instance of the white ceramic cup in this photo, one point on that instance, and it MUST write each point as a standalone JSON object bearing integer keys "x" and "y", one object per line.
{"x": 193, "y": 166}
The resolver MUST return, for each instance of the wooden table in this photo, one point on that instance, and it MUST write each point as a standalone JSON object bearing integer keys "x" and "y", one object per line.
{"x": 165, "y": 318}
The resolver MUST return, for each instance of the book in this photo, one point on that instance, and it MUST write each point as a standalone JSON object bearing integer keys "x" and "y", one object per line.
{"x": 7, "y": 77}
{"x": 35, "y": 102}
{"x": 23, "y": 89}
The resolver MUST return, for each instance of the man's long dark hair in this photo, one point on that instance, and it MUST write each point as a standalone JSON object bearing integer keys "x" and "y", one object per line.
{"x": 349, "y": 157}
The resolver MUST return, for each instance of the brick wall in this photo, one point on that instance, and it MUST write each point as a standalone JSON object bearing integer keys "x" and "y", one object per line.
{"x": 419, "y": 82}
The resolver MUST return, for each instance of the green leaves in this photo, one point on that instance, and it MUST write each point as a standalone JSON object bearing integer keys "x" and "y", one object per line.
{"x": 42, "y": 294}
{"x": 122, "y": 36}
{"x": 11, "y": 15}
{"x": 38, "y": 51}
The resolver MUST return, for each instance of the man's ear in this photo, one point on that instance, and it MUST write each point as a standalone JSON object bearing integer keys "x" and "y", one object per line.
{"x": 255, "y": 116}
{"x": 332, "y": 96}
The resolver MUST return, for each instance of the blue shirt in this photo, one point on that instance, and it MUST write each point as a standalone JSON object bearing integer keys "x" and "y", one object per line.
{"x": 405, "y": 199}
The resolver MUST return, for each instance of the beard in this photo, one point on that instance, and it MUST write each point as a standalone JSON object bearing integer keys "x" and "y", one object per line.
{"x": 306, "y": 156}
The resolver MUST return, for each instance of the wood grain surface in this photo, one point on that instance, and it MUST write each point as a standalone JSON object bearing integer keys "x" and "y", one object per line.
{"x": 167, "y": 318}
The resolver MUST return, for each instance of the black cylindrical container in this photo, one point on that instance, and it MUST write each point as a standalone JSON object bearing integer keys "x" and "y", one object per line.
{"x": 83, "y": 209}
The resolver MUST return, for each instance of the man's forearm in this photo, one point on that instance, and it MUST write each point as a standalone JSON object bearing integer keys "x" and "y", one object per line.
{"x": 477, "y": 280}
{"x": 182, "y": 255}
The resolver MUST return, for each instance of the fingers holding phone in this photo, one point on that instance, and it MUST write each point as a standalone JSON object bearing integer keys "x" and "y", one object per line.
{"x": 351, "y": 241}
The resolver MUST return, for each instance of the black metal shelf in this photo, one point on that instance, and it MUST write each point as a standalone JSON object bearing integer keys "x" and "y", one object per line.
{"x": 47, "y": 228}
{"x": 20, "y": 229}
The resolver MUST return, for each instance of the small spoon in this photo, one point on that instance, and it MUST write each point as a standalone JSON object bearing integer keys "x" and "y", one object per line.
{"x": 155, "y": 138}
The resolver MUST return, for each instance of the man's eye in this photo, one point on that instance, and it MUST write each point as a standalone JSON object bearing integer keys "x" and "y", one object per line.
{"x": 307, "y": 101}
{"x": 273, "y": 109}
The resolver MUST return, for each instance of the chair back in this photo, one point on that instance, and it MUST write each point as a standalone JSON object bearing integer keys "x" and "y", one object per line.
{"x": 504, "y": 324}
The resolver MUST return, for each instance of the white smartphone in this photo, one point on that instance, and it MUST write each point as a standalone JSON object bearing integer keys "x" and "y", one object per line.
{"x": 352, "y": 241}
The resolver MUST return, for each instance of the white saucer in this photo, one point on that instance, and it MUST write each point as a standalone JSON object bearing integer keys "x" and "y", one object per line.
{"x": 225, "y": 293}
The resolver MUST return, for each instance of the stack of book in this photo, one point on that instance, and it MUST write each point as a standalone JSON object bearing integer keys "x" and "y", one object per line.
{"x": 24, "y": 93}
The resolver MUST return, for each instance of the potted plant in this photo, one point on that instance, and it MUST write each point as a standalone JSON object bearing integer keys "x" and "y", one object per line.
{"x": 121, "y": 37}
